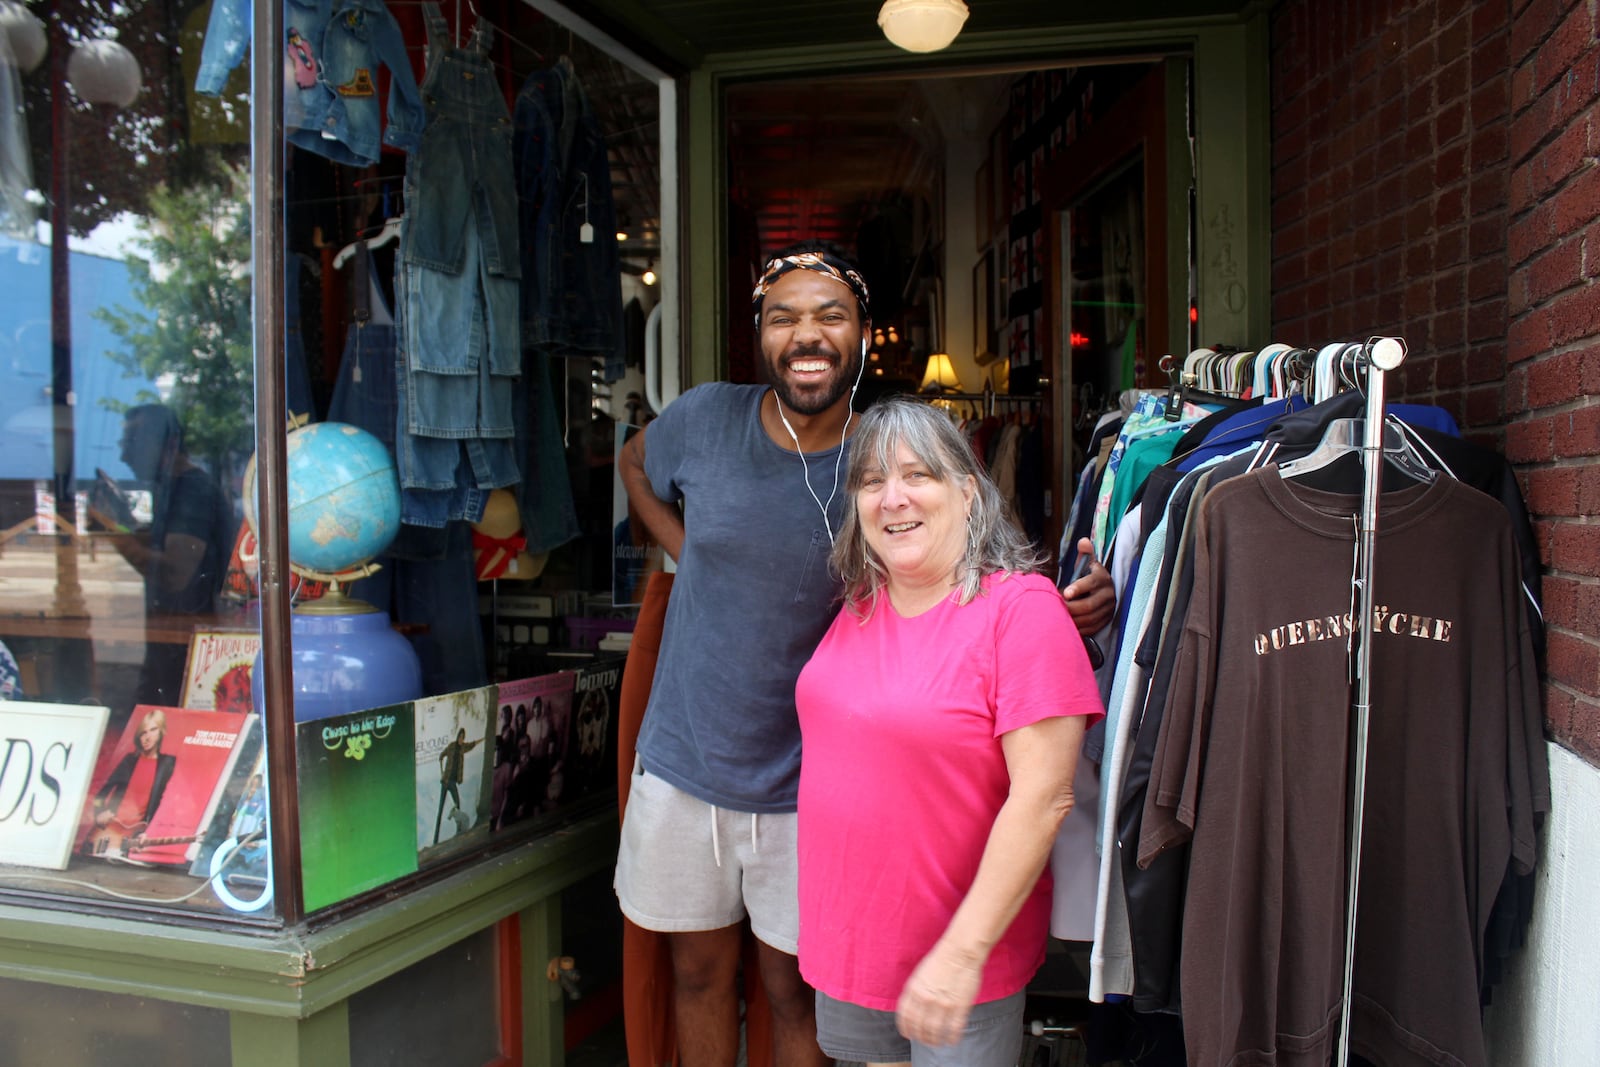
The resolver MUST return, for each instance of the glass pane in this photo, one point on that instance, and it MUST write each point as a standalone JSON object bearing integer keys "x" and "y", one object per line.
{"x": 105, "y": 1028}
{"x": 126, "y": 409}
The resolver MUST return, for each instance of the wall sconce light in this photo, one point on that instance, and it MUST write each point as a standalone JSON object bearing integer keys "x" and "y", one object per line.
{"x": 922, "y": 25}
{"x": 649, "y": 275}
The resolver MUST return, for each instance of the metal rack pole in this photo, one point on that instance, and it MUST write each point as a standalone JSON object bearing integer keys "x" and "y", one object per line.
{"x": 1379, "y": 355}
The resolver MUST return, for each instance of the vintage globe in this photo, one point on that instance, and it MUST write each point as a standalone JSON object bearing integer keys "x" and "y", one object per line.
{"x": 344, "y": 497}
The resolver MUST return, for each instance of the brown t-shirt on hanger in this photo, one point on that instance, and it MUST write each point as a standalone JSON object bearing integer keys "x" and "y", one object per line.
{"x": 1251, "y": 763}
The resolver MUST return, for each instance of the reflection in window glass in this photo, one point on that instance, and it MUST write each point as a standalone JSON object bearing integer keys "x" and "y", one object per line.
{"x": 126, "y": 409}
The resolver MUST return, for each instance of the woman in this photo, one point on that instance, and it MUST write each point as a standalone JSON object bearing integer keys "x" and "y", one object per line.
{"x": 940, "y": 718}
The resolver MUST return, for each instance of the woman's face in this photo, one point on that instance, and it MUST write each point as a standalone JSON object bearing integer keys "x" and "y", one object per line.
{"x": 914, "y": 523}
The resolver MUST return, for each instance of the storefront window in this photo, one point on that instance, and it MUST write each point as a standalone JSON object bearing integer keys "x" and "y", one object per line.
{"x": 473, "y": 333}
{"x": 126, "y": 423}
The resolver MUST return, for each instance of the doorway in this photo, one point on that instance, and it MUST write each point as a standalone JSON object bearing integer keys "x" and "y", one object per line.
{"x": 1017, "y": 219}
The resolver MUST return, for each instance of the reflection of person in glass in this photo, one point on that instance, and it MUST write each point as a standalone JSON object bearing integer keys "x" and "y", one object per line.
{"x": 182, "y": 553}
{"x": 129, "y": 798}
{"x": 452, "y": 772}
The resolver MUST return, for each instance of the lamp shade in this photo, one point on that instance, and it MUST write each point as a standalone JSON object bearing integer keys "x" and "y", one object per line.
{"x": 25, "y": 33}
{"x": 922, "y": 25}
{"x": 940, "y": 375}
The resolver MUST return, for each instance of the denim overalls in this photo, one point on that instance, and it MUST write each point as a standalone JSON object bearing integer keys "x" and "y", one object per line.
{"x": 457, "y": 291}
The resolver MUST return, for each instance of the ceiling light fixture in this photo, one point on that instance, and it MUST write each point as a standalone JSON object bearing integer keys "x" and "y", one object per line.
{"x": 922, "y": 25}
{"x": 649, "y": 276}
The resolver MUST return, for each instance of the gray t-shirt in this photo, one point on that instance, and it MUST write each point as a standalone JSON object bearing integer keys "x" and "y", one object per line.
{"x": 752, "y": 598}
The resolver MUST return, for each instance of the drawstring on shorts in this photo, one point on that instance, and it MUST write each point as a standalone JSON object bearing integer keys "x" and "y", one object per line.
{"x": 716, "y": 841}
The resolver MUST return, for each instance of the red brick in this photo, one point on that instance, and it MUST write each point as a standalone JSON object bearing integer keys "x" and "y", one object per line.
{"x": 1559, "y": 713}
{"x": 1589, "y": 504}
{"x": 1554, "y": 270}
{"x": 1490, "y": 144}
{"x": 1576, "y": 433}
{"x": 1516, "y": 390}
{"x": 1560, "y": 51}
{"x": 1529, "y": 29}
{"x": 1448, "y": 330}
{"x": 1528, "y": 336}
{"x": 1450, "y": 166}
{"x": 1574, "y": 315}
{"x": 1555, "y": 380}
{"x": 1488, "y": 20}
{"x": 1530, "y": 441}
{"x": 1530, "y": 126}
{"x": 1450, "y": 246}
{"x": 1573, "y": 662}
{"x": 1486, "y": 279}
{"x": 1553, "y": 491}
{"x": 1528, "y": 234}
{"x": 1486, "y": 237}
{"x": 1487, "y": 322}
{"x": 1484, "y": 406}
{"x": 1491, "y": 98}
{"x": 1577, "y": 203}
{"x": 1591, "y": 376}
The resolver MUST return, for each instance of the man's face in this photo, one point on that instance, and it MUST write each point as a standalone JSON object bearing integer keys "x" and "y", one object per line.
{"x": 149, "y": 736}
{"x": 142, "y": 445}
{"x": 811, "y": 340}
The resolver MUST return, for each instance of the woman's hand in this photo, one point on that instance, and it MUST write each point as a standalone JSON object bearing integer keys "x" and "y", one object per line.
{"x": 938, "y": 997}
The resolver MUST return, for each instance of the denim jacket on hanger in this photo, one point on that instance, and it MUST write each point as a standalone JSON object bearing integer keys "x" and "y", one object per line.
{"x": 332, "y": 52}
{"x": 572, "y": 290}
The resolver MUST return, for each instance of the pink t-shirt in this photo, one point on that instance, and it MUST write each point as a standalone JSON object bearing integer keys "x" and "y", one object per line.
{"x": 902, "y": 775}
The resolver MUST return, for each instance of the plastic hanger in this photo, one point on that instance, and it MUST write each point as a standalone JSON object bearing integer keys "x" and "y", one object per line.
{"x": 390, "y": 231}
{"x": 1344, "y": 437}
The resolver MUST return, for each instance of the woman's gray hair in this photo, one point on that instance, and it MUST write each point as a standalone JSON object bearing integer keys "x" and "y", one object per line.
{"x": 994, "y": 542}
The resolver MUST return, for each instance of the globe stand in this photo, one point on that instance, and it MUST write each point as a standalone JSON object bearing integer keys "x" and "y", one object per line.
{"x": 335, "y": 601}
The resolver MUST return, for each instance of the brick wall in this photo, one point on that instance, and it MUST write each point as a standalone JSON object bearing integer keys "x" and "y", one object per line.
{"x": 1552, "y": 381}
{"x": 1435, "y": 176}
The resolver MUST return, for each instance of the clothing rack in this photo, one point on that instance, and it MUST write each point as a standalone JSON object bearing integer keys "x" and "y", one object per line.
{"x": 1376, "y": 357}
{"x": 988, "y": 398}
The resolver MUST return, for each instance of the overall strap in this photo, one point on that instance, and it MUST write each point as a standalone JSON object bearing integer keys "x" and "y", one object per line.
{"x": 439, "y": 37}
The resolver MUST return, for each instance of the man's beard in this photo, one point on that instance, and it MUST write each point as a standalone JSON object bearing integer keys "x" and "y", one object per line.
{"x": 812, "y": 401}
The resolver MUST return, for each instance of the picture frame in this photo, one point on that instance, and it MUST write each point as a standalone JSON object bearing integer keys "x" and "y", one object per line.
{"x": 983, "y": 303}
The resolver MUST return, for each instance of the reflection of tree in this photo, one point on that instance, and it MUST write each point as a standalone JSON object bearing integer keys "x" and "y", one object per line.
{"x": 117, "y": 154}
{"x": 192, "y": 322}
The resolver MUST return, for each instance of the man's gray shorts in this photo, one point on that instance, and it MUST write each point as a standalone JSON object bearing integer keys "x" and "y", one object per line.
{"x": 686, "y": 865}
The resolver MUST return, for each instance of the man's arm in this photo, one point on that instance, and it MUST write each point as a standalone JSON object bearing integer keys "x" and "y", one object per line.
{"x": 1092, "y": 598}
{"x": 663, "y": 520}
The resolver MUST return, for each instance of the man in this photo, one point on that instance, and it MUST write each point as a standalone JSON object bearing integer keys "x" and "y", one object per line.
{"x": 452, "y": 772}
{"x": 709, "y": 831}
{"x": 183, "y": 552}
{"x": 128, "y": 799}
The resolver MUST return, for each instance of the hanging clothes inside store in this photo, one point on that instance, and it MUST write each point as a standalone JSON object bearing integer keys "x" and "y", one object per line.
{"x": 457, "y": 285}
{"x": 1223, "y": 761}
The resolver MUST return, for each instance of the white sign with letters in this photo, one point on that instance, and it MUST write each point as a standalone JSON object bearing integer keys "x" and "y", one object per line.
{"x": 47, "y": 755}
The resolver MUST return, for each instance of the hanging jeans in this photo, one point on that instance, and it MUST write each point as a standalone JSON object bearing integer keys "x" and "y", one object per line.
{"x": 457, "y": 286}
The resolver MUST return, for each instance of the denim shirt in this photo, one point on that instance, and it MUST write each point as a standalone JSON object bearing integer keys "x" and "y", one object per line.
{"x": 572, "y": 291}
{"x": 330, "y": 60}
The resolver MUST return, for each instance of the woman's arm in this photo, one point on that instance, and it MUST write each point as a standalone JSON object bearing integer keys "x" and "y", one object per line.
{"x": 1041, "y": 758}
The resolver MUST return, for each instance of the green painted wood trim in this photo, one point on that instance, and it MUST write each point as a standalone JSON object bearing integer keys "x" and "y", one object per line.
{"x": 543, "y": 1012}
{"x": 323, "y": 1040}
{"x": 296, "y": 974}
{"x": 703, "y": 233}
{"x": 1233, "y": 190}
{"x": 1180, "y": 175}
{"x": 1230, "y": 50}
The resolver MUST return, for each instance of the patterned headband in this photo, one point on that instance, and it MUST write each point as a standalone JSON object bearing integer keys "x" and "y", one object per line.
{"x": 822, "y": 263}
